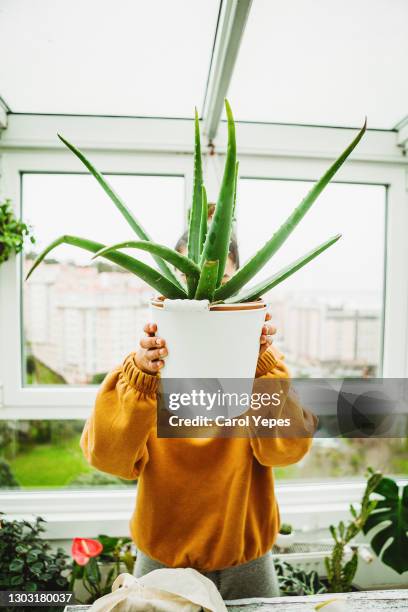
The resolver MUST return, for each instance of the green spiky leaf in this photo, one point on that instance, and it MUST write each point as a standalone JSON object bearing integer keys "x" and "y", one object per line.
{"x": 218, "y": 237}
{"x": 255, "y": 292}
{"x": 204, "y": 219}
{"x": 151, "y": 276}
{"x": 208, "y": 281}
{"x": 120, "y": 205}
{"x": 182, "y": 263}
{"x": 254, "y": 265}
{"x": 194, "y": 234}
{"x": 235, "y": 190}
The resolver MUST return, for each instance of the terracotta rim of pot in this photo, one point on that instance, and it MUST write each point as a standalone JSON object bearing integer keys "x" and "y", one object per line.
{"x": 256, "y": 305}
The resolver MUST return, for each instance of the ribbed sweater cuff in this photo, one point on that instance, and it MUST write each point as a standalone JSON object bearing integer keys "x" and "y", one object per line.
{"x": 266, "y": 363}
{"x": 149, "y": 383}
{"x": 145, "y": 383}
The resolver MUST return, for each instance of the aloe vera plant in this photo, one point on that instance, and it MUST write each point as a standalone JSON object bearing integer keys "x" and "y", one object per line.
{"x": 207, "y": 252}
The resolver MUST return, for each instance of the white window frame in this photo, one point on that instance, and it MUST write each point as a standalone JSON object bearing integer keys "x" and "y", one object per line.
{"x": 22, "y": 402}
{"x": 309, "y": 507}
{"x": 165, "y": 147}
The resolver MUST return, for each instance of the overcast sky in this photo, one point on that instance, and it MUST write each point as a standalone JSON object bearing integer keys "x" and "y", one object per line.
{"x": 75, "y": 204}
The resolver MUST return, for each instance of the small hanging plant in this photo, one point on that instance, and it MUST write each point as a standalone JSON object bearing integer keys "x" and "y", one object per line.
{"x": 13, "y": 232}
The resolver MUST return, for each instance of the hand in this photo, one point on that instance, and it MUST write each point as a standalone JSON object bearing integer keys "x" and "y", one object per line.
{"x": 149, "y": 357}
{"x": 266, "y": 337}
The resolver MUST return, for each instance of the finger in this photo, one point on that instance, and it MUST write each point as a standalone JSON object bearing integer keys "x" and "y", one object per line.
{"x": 152, "y": 342}
{"x": 150, "y": 328}
{"x": 154, "y": 354}
{"x": 269, "y": 330}
{"x": 266, "y": 339}
{"x": 155, "y": 366}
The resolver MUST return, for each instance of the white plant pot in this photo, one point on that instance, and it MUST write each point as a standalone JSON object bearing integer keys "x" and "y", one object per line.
{"x": 210, "y": 348}
{"x": 204, "y": 341}
{"x": 284, "y": 540}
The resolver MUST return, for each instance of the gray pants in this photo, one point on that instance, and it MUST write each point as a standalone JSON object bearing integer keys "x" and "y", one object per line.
{"x": 256, "y": 578}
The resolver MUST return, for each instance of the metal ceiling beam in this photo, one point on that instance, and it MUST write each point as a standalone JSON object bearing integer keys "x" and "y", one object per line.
{"x": 233, "y": 18}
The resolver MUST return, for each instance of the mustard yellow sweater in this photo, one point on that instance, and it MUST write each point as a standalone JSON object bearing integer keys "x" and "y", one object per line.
{"x": 206, "y": 503}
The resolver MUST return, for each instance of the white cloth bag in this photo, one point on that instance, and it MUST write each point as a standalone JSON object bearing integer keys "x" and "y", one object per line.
{"x": 163, "y": 590}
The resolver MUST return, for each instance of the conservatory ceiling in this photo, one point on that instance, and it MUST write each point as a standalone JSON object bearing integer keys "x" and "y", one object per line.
{"x": 314, "y": 62}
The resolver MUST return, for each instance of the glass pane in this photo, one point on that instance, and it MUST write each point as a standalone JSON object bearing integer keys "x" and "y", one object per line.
{"x": 323, "y": 63}
{"x": 45, "y": 455}
{"x": 348, "y": 459}
{"x": 329, "y": 314}
{"x": 82, "y": 318}
{"x": 108, "y": 58}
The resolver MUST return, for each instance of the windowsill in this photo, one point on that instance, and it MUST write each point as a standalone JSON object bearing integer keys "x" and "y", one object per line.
{"x": 91, "y": 512}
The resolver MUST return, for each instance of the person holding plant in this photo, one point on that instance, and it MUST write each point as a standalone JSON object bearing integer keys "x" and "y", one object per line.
{"x": 205, "y": 503}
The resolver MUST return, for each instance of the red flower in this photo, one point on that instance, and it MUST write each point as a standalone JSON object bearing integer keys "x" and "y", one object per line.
{"x": 84, "y": 548}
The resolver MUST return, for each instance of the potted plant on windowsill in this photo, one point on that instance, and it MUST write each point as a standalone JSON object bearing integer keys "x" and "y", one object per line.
{"x": 285, "y": 537}
{"x": 195, "y": 314}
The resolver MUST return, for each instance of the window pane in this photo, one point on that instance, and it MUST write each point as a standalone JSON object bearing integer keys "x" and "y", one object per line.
{"x": 329, "y": 314}
{"x": 109, "y": 58}
{"x": 323, "y": 63}
{"x": 47, "y": 454}
{"x": 349, "y": 458}
{"x": 82, "y": 318}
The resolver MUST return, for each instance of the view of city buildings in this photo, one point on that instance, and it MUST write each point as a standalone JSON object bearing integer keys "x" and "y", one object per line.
{"x": 322, "y": 337}
{"x": 81, "y": 321}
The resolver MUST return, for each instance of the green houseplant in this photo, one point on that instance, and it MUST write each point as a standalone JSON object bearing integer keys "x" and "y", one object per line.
{"x": 12, "y": 232}
{"x": 340, "y": 569}
{"x": 97, "y": 563}
{"x": 285, "y": 536}
{"x": 27, "y": 561}
{"x": 203, "y": 269}
{"x": 294, "y": 581}
{"x": 388, "y": 524}
{"x": 207, "y": 246}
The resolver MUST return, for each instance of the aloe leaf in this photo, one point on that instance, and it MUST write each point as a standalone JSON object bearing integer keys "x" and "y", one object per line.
{"x": 120, "y": 205}
{"x": 182, "y": 263}
{"x": 255, "y": 292}
{"x": 256, "y": 263}
{"x": 218, "y": 237}
{"x": 194, "y": 233}
{"x": 235, "y": 189}
{"x": 151, "y": 276}
{"x": 204, "y": 219}
{"x": 208, "y": 281}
